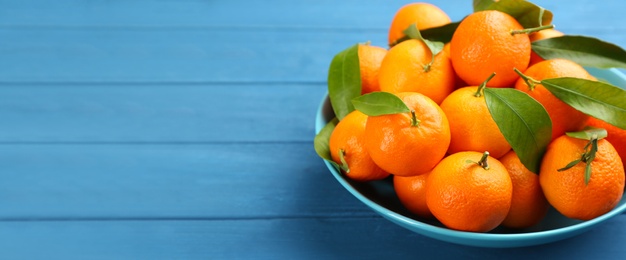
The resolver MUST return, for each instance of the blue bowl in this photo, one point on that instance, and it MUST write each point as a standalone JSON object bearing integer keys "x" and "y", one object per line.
{"x": 380, "y": 197}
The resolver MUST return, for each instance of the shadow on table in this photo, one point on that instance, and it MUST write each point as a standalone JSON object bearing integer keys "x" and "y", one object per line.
{"x": 344, "y": 227}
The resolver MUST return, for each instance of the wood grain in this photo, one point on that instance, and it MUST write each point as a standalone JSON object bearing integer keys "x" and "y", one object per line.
{"x": 145, "y": 181}
{"x": 183, "y": 129}
{"x": 159, "y": 113}
{"x": 315, "y": 238}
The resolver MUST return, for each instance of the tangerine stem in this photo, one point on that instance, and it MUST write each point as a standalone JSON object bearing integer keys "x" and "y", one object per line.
{"x": 427, "y": 66}
{"x": 483, "y": 85}
{"x": 530, "y": 82}
{"x": 344, "y": 164}
{"x": 483, "y": 161}
{"x": 414, "y": 120}
{"x": 532, "y": 30}
{"x": 587, "y": 157}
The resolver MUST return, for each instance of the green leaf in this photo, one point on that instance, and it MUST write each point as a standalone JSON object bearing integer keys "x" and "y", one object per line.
{"x": 570, "y": 165}
{"x": 434, "y": 47}
{"x": 344, "y": 80}
{"x": 600, "y": 100}
{"x": 413, "y": 33}
{"x": 586, "y": 51}
{"x": 529, "y": 15}
{"x": 480, "y": 5}
{"x": 589, "y": 133}
{"x": 589, "y": 158}
{"x": 587, "y": 172}
{"x": 440, "y": 34}
{"x": 436, "y": 34}
{"x": 321, "y": 142}
{"x": 380, "y": 103}
{"x": 523, "y": 121}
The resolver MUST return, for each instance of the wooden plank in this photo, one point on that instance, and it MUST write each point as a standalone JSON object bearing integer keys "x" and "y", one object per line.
{"x": 165, "y": 113}
{"x": 248, "y": 14}
{"x": 307, "y": 238}
{"x": 228, "y": 180}
{"x": 307, "y": 14}
{"x": 157, "y": 56}
{"x": 175, "y": 56}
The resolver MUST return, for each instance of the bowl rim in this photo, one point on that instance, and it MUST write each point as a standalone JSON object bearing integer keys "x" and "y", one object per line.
{"x": 487, "y": 237}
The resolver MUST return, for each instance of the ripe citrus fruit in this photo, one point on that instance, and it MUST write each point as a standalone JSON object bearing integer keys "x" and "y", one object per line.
{"x": 370, "y": 58}
{"x": 471, "y": 126}
{"x": 411, "y": 191}
{"x": 465, "y": 195}
{"x": 402, "y": 70}
{"x": 408, "y": 144}
{"x": 540, "y": 35}
{"x": 458, "y": 82}
{"x": 483, "y": 44}
{"x": 616, "y": 136}
{"x": 528, "y": 204}
{"x": 564, "y": 117}
{"x": 347, "y": 141}
{"x": 566, "y": 189}
{"x": 423, "y": 15}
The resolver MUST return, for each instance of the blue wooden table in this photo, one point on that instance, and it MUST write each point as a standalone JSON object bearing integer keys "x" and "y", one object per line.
{"x": 183, "y": 129}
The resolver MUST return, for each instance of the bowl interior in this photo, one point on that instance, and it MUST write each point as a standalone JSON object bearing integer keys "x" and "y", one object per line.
{"x": 380, "y": 196}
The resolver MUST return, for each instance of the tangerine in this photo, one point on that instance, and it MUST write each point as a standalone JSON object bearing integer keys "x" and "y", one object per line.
{"x": 616, "y": 136}
{"x": 566, "y": 188}
{"x": 370, "y": 58}
{"x": 423, "y": 15}
{"x": 411, "y": 191}
{"x": 467, "y": 193}
{"x": 564, "y": 117}
{"x": 528, "y": 204}
{"x": 486, "y": 42}
{"x": 347, "y": 149}
{"x": 408, "y": 144}
{"x": 472, "y": 127}
{"x": 406, "y": 68}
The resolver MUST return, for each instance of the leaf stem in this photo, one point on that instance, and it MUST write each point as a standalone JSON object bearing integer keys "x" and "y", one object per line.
{"x": 414, "y": 120}
{"x": 342, "y": 158}
{"x": 532, "y": 30}
{"x": 483, "y": 85}
{"x": 483, "y": 161}
{"x": 530, "y": 82}
{"x": 587, "y": 157}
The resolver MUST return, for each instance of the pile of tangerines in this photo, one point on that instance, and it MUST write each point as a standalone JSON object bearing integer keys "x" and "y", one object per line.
{"x": 447, "y": 157}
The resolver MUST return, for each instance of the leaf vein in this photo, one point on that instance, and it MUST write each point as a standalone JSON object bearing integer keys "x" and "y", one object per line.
{"x": 528, "y": 128}
{"x": 586, "y": 97}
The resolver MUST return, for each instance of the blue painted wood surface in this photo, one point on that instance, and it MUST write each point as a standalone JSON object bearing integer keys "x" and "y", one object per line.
{"x": 183, "y": 129}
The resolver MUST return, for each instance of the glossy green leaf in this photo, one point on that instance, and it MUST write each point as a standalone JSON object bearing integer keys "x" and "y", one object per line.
{"x": 589, "y": 133}
{"x": 586, "y": 51}
{"x": 480, "y": 5}
{"x": 440, "y": 34}
{"x": 413, "y": 33}
{"x": 380, "y": 103}
{"x": 523, "y": 121}
{"x": 344, "y": 80}
{"x": 435, "y": 47}
{"x": 445, "y": 32}
{"x": 586, "y": 157}
{"x": 529, "y": 15}
{"x": 600, "y": 100}
{"x": 321, "y": 142}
